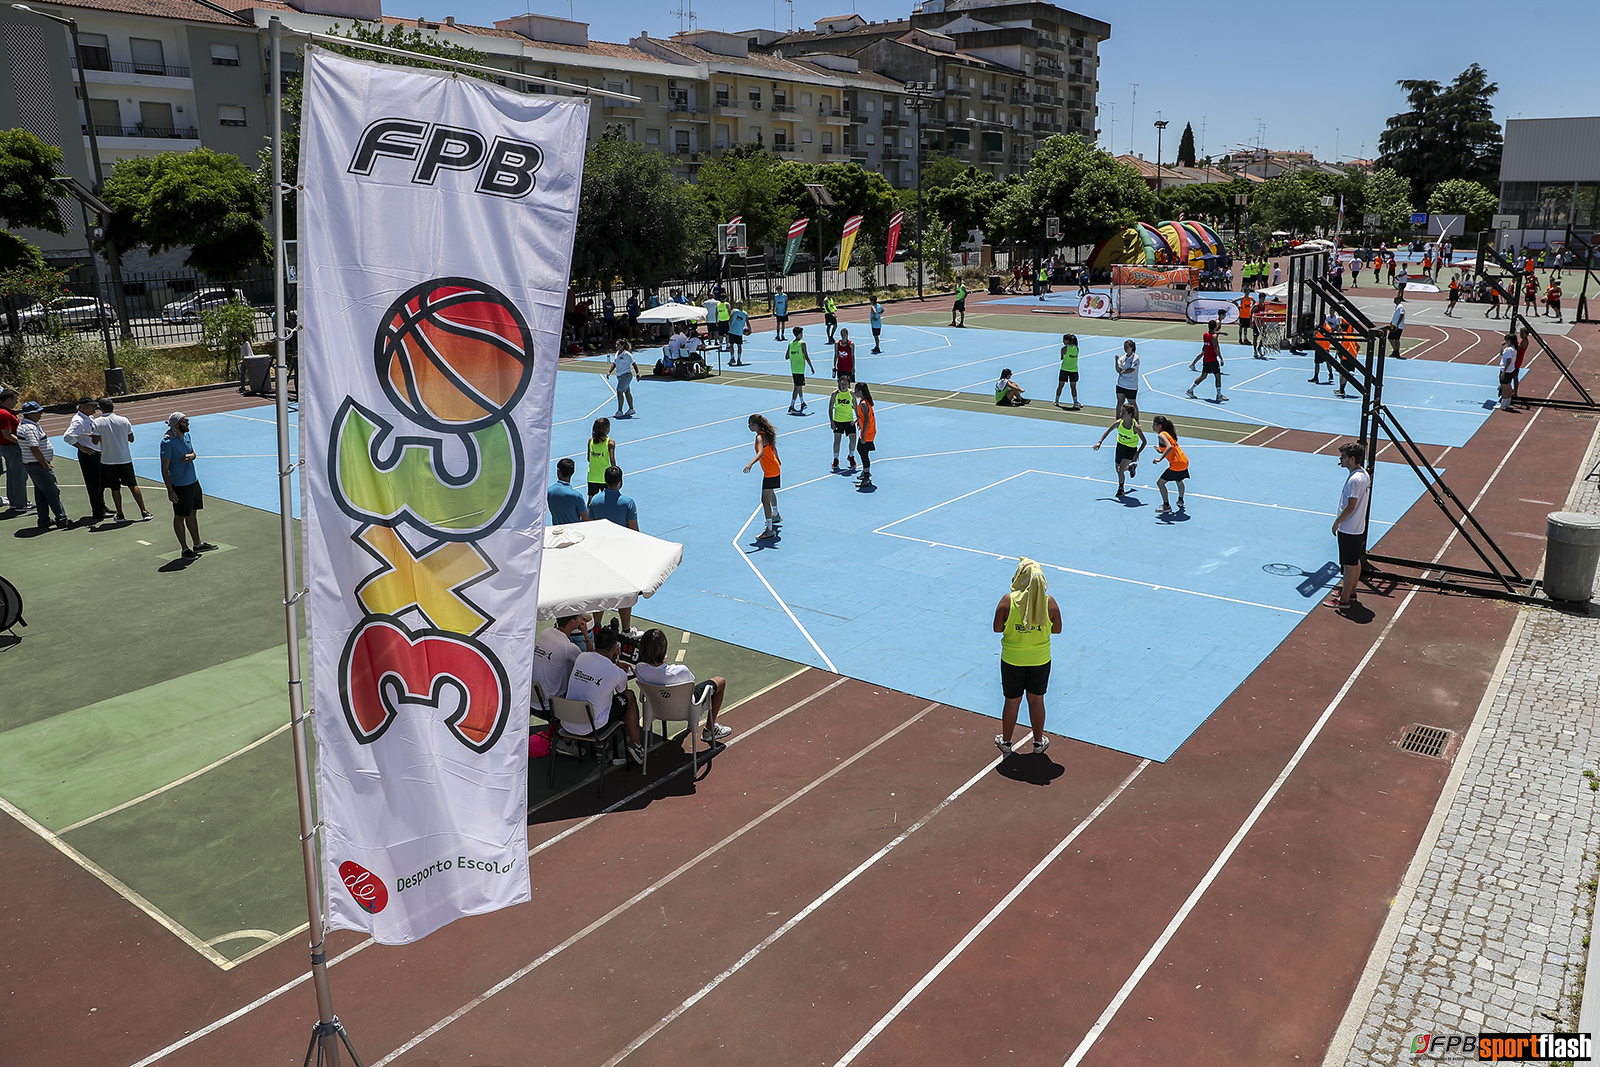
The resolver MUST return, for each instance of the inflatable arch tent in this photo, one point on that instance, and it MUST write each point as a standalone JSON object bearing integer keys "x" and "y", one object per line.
{"x": 1138, "y": 244}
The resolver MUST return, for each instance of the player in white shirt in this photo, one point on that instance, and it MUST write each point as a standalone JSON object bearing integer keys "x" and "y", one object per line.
{"x": 1508, "y": 371}
{"x": 554, "y": 653}
{"x": 113, "y": 433}
{"x": 598, "y": 679}
{"x": 653, "y": 669}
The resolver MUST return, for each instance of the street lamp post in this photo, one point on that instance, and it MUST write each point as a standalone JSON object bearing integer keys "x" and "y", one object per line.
{"x": 919, "y": 96}
{"x": 1161, "y": 124}
{"x": 116, "y": 379}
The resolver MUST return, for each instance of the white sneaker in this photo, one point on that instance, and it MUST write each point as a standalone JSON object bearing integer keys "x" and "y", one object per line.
{"x": 712, "y": 734}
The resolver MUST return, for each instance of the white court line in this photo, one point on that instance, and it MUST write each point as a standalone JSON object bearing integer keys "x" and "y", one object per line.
{"x": 799, "y": 916}
{"x": 266, "y": 998}
{"x": 983, "y": 924}
{"x": 625, "y": 906}
{"x": 786, "y": 610}
{"x": 173, "y": 785}
{"x": 1227, "y": 853}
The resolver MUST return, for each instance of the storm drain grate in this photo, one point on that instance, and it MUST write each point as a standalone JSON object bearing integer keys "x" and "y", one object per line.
{"x": 1425, "y": 741}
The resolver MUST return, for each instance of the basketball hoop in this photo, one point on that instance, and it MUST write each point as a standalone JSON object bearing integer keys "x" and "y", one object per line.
{"x": 731, "y": 240}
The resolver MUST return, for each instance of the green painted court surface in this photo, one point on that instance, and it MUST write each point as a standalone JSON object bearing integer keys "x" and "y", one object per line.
{"x": 150, "y": 738}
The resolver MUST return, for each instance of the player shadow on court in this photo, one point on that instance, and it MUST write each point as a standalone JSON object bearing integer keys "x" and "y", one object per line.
{"x": 762, "y": 544}
{"x": 1314, "y": 583}
{"x": 1031, "y": 768}
{"x": 173, "y": 566}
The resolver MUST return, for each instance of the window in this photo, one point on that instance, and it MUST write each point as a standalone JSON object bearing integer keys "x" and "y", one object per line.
{"x": 680, "y": 144}
{"x": 827, "y": 142}
{"x": 722, "y": 94}
{"x": 991, "y": 142}
{"x": 224, "y": 55}
{"x": 805, "y": 136}
{"x": 94, "y": 50}
{"x": 871, "y": 140}
{"x": 147, "y": 56}
{"x": 754, "y": 133}
{"x": 755, "y": 99}
{"x": 780, "y": 98}
{"x": 230, "y": 115}
{"x": 616, "y": 87}
{"x": 652, "y": 94}
{"x": 972, "y": 83}
{"x": 869, "y": 104}
{"x": 107, "y": 117}
{"x": 155, "y": 119}
{"x": 652, "y": 136}
{"x": 780, "y": 138}
{"x": 724, "y": 138}
{"x": 827, "y": 103}
{"x": 805, "y": 99}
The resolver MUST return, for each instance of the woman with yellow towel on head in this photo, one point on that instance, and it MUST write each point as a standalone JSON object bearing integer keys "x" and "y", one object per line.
{"x": 1025, "y": 619}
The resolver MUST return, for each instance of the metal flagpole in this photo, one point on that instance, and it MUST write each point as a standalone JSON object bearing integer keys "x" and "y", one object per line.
{"x": 323, "y": 1044}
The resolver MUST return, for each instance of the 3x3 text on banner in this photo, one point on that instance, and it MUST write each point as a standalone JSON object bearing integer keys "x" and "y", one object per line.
{"x": 435, "y": 225}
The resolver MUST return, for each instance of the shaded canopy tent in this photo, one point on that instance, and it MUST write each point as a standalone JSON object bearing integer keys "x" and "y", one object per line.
{"x": 669, "y": 314}
{"x": 598, "y": 565}
{"x": 1137, "y": 244}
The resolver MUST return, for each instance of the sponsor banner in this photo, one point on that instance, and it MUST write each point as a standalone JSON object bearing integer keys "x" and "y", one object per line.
{"x": 847, "y": 242}
{"x": 436, "y": 226}
{"x": 1095, "y": 305}
{"x": 797, "y": 230}
{"x": 1132, "y": 274}
{"x": 1420, "y": 285}
{"x": 1152, "y": 301}
{"x": 1206, "y": 310}
{"x": 894, "y": 236}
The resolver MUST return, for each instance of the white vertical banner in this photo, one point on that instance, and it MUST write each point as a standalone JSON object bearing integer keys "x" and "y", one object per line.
{"x": 436, "y": 221}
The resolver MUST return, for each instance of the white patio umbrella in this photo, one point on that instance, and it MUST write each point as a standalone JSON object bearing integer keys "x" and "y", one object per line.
{"x": 672, "y": 313}
{"x": 594, "y": 566}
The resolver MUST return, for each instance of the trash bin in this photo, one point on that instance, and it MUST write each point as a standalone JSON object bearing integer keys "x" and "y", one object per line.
{"x": 1572, "y": 551}
{"x": 255, "y": 375}
{"x": 994, "y": 284}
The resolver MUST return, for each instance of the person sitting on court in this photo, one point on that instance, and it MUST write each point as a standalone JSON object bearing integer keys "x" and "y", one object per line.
{"x": 693, "y": 364}
{"x": 1007, "y": 393}
{"x": 598, "y": 679}
{"x": 670, "y": 354}
{"x": 653, "y": 669}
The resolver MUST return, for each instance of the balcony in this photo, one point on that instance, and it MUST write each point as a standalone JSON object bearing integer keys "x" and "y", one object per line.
{"x": 1046, "y": 100}
{"x": 154, "y": 69}
{"x": 957, "y": 90}
{"x": 829, "y": 150}
{"x": 994, "y": 157}
{"x": 1020, "y": 97}
{"x": 992, "y": 94}
{"x": 785, "y": 148}
{"x": 681, "y": 110}
{"x": 1047, "y": 127}
{"x": 896, "y": 153}
{"x": 1021, "y": 159}
{"x": 621, "y": 108}
{"x": 141, "y": 130}
{"x": 856, "y": 151}
{"x": 1078, "y": 50}
{"x": 780, "y": 108}
{"x": 1079, "y": 79}
{"x": 1047, "y": 42}
{"x": 894, "y": 122}
{"x": 1078, "y": 106}
{"x": 835, "y": 116}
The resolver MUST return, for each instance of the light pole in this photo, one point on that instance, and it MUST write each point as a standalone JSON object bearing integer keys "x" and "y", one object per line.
{"x": 919, "y": 99}
{"x": 1161, "y": 124}
{"x": 116, "y": 380}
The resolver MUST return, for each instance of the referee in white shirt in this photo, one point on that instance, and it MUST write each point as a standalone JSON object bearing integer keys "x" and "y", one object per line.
{"x": 81, "y": 436}
{"x": 1397, "y": 323}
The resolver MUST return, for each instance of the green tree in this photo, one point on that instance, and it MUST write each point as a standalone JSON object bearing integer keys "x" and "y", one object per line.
{"x": 1388, "y": 195}
{"x": 1448, "y": 132}
{"x": 1461, "y": 197}
{"x": 747, "y": 180}
{"x": 28, "y": 196}
{"x": 1186, "y": 146}
{"x": 854, "y": 190}
{"x": 1287, "y": 202}
{"x": 1091, "y": 193}
{"x": 967, "y": 201}
{"x": 636, "y": 221}
{"x": 207, "y": 200}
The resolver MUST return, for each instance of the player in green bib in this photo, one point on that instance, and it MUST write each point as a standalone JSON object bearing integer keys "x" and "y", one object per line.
{"x": 1025, "y": 618}
{"x": 1130, "y": 442}
{"x": 602, "y": 454}
{"x": 843, "y": 417}
{"x": 1069, "y": 370}
{"x": 799, "y": 361}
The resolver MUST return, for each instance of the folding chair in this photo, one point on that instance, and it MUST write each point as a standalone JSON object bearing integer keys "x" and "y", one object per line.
{"x": 674, "y": 703}
{"x": 570, "y": 715}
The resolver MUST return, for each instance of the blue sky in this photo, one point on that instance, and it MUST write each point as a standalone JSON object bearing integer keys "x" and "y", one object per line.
{"x": 1314, "y": 76}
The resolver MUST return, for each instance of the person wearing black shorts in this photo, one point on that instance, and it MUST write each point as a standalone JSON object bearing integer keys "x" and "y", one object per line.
{"x": 1026, "y": 617}
{"x": 1350, "y": 523}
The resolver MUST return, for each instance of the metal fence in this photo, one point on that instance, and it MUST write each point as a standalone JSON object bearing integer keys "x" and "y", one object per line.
{"x": 161, "y": 306}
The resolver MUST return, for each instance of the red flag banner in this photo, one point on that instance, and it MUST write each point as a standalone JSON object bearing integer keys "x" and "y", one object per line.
{"x": 894, "y": 236}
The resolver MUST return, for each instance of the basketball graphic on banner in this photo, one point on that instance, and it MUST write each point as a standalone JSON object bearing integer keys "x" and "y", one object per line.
{"x": 454, "y": 354}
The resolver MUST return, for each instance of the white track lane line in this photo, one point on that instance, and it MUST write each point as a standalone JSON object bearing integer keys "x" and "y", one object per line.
{"x": 1227, "y": 853}
{"x": 983, "y": 924}
{"x": 267, "y": 998}
{"x": 632, "y": 901}
{"x": 800, "y": 916}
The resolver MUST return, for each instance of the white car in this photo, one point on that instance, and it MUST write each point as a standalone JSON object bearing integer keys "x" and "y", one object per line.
{"x": 189, "y": 310}
{"x": 74, "y": 312}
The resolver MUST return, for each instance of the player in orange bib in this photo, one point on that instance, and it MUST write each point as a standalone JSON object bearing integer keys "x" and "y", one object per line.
{"x": 867, "y": 424}
{"x": 1167, "y": 448}
{"x": 771, "y": 471}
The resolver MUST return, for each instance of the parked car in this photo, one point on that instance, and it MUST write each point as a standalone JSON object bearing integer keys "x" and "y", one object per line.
{"x": 188, "y": 310}
{"x": 72, "y": 312}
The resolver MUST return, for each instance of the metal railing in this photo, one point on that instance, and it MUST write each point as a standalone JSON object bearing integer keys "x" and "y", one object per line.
{"x": 141, "y": 130}
{"x": 155, "y": 69}
{"x": 780, "y": 107}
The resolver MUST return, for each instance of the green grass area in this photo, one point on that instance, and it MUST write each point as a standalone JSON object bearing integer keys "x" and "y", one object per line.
{"x": 54, "y": 370}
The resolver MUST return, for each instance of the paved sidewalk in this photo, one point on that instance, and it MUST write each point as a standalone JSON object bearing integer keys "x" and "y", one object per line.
{"x": 1492, "y": 927}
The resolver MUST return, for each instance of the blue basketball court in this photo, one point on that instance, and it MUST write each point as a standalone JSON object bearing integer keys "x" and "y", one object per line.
{"x": 897, "y": 584}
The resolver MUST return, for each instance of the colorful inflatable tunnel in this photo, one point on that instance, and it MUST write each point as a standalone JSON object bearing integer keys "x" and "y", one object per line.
{"x": 1181, "y": 241}
{"x": 1138, "y": 243}
{"x": 1206, "y": 236}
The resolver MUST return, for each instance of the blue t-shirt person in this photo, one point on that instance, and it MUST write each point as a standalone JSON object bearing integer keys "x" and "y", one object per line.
{"x": 175, "y": 450}
{"x": 566, "y": 503}
{"x": 737, "y": 321}
{"x": 611, "y": 504}
{"x": 877, "y": 315}
{"x": 780, "y": 305}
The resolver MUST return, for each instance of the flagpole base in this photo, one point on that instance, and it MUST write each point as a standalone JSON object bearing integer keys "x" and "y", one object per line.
{"x": 326, "y": 1048}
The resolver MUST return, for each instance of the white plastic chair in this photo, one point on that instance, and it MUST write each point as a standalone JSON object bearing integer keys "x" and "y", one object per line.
{"x": 572, "y": 716}
{"x": 674, "y": 703}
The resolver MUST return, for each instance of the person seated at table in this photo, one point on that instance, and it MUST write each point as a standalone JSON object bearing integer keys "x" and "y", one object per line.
{"x": 653, "y": 669}
{"x": 598, "y": 678}
{"x": 671, "y": 354}
{"x": 556, "y": 649}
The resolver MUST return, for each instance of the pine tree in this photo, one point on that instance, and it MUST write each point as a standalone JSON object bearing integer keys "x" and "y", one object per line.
{"x": 1449, "y": 132}
{"x": 1186, "y": 146}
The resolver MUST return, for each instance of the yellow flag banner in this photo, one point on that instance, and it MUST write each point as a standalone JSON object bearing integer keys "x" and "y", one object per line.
{"x": 847, "y": 243}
